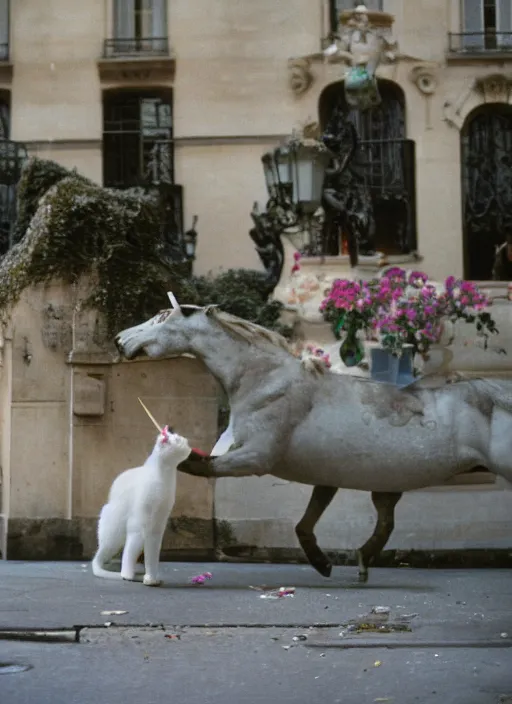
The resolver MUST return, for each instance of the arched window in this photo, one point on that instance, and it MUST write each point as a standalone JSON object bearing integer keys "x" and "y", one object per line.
{"x": 486, "y": 161}
{"x": 385, "y": 162}
{"x": 138, "y": 147}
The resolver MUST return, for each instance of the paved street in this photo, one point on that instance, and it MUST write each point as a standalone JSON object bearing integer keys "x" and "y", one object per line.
{"x": 447, "y": 637}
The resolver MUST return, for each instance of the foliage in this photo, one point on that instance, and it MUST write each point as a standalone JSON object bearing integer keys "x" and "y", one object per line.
{"x": 403, "y": 309}
{"x": 69, "y": 227}
{"x": 38, "y": 176}
{"x": 239, "y": 292}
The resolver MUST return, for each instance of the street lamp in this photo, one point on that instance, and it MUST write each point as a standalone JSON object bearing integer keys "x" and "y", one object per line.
{"x": 294, "y": 175}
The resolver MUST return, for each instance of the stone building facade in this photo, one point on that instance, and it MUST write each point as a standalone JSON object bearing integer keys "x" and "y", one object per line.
{"x": 194, "y": 93}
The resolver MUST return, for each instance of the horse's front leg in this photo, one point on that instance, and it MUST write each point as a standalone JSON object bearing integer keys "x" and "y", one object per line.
{"x": 385, "y": 503}
{"x": 246, "y": 460}
{"x": 319, "y": 501}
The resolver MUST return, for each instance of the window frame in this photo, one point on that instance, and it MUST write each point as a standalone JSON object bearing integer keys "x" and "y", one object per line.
{"x": 127, "y": 98}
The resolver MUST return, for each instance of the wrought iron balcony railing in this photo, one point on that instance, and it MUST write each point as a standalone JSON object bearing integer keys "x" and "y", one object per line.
{"x": 136, "y": 46}
{"x": 4, "y": 52}
{"x": 480, "y": 42}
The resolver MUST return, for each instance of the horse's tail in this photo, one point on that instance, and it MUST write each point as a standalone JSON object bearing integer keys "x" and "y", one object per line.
{"x": 499, "y": 391}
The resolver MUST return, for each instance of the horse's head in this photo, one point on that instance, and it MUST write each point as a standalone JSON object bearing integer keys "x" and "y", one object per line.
{"x": 166, "y": 334}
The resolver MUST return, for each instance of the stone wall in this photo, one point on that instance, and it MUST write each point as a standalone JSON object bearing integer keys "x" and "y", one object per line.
{"x": 70, "y": 422}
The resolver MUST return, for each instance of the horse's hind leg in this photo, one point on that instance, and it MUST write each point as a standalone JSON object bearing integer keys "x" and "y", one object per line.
{"x": 384, "y": 503}
{"x": 319, "y": 501}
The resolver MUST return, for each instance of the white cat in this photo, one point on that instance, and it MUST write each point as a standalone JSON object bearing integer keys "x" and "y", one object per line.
{"x": 139, "y": 504}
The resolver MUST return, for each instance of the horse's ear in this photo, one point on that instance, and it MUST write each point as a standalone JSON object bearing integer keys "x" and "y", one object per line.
{"x": 210, "y": 310}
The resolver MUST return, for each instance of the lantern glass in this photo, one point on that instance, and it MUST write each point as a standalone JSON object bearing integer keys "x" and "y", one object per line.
{"x": 310, "y": 165}
{"x": 283, "y": 160}
{"x": 190, "y": 245}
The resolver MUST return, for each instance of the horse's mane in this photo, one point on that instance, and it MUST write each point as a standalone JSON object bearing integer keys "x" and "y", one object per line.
{"x": 250, "y": 332}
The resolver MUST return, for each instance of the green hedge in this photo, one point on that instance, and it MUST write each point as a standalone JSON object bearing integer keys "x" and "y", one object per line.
{"x": 69, "y": 227}
{"x": 38, "y": 176}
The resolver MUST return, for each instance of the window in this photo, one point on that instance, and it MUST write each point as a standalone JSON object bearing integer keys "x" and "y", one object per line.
{"x": 486, "y": 146}
{"x": 140, "y": 26}
{"x": 138, "y": 145}
{"x": 486, "y": 25}
{"x": 12, "y": 158}
{"x": 138, "y": 151}
{"x": 384, "y": 166}
{"x": 4, "y": 30}
{"x": 336, "y": 7}
{"x": 4, "y": 116}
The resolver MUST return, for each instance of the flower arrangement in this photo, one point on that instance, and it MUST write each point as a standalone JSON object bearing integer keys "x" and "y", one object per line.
{"x": 402, "y": 309}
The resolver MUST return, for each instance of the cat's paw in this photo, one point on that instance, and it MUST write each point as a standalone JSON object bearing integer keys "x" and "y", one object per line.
{"x": 151, "y": 581}
{"x": 129, "y": 576}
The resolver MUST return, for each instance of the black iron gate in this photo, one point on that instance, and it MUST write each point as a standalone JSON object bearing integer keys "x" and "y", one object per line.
{"x": 486, "y": 146}
{"x": 382, "y": 171}
{"x": 388, "y": 169}
{"x": 12, "y": 158}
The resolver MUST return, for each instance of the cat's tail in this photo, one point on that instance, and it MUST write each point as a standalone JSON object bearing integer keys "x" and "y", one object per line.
{"x": 99, "y": 571}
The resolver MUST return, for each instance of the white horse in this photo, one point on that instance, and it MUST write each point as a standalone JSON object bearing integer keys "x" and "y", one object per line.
{"x": 330, "y": 430}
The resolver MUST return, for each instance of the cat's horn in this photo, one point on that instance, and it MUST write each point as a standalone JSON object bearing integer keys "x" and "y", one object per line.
{"x": 151, "y": 417}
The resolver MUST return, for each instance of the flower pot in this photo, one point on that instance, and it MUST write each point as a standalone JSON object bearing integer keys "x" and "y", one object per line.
{"x": 390, "y": 369}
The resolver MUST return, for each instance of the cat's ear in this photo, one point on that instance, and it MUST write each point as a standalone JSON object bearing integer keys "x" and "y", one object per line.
{"x": 165, "y": 433}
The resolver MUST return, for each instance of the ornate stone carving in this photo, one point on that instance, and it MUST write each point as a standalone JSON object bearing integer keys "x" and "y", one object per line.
{"x": 362, "y": 45}
{"x": 300, "y": 77}
{"x": 495, "y": 88}
{"x": 364, "y": 39}
{"x": 136, "y": 70}
{"x": 425, "y": 77}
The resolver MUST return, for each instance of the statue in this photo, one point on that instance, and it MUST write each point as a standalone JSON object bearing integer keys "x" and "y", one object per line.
{"x": 347, "y": 200}
{"x": 363, "y": 46}
{"x": 266, "y": 235}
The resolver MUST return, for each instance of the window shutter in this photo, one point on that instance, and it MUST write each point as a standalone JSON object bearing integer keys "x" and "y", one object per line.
{"x": 4, "y": 27}
{"x": 504, "y": 23}
{"x": 473, "y": 21}
{"x": 124, "y": 19}
{"x": 159, "y": 23}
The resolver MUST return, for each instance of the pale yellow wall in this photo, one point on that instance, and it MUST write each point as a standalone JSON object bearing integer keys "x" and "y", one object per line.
{"x": 231, "y": 75}
{"x": 55, "y": 89}
{"x": 58, "y": 463}
{"x": 231, "y": 93}
{"x": 222, "y": 183}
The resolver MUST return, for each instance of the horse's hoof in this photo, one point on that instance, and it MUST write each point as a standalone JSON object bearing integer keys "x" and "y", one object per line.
{"x": 324, "y": 568}
{"x": 149, "y": 581}
{"x": 363, "y": 577}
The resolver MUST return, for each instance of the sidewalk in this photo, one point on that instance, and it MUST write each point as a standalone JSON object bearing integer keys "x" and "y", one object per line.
{"x": 449, "y": 639}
